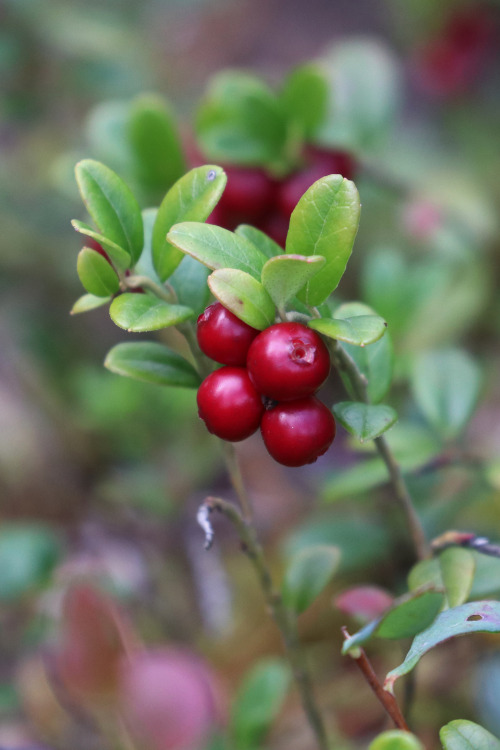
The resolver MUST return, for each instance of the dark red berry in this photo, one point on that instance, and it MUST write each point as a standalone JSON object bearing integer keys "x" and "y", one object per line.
{"x": 297, "y": 432}
{"x": 224, "y": 337}
{"x": 248, "y": 191}
{"x": 229, "y": 404}
{"x": 288, "y": 361}
{"x": 94, "y": 245}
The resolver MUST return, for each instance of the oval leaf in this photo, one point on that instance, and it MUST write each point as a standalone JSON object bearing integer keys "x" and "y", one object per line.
{"x": 473, "y": 617}
{"x": 364, "y": 603}
{"x": 376, "y": 363}
{"x": 285, "y": 275}
{"x": 88, "y": 302}
{"x": 466, "y": 735}
{"x": 457, "y": 571}
{"x": 446, "y": 385}
{"x": 308, "y": 574}
{"x": 153, "y": 363}
{"x": 365, "y": 421}
{"x": 192, "y": 198}
{"x": 396, "y": 739}
{"x": 95, "y": 273}
{"x": 111, "y": 205}
{"x": 217, "y": 248}
{"x": 260, "y": 239}
{"x": 244, "y": 296}
{"x": 360, "y": 331}
{"x": 145, "y": 312}
{"x": 305, "y": 97}
{"x": 119, "y": 257}
{"x": 325, "y": 222}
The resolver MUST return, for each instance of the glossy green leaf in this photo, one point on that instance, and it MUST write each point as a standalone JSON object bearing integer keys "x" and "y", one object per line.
{"x": 217, "y": 248}
{"x": 151, "y": 362}
{"x": 473, "y": 617}
{"x": 466, "y": 735}
{"x": 189, "y": 281}
{"x": 192, "y": 198}
{"x": 409, "y": 615}
{"x": 309, "y": 571}
{"x": 119, "y": 257}
{"x": 260, "y": 239}
{"x": 241, "y": 121}
{"x": 111, "y": 205}
{"x": 457, "y": 571}
{"x": 88, "y": 302}
{"x": 305, "y": 97}
{"x": 28, "y": 554}
{"x": 360, "y": 330}
{"x": 95, "y": 273}
{"x": 244, "y": 296}
{"x": 446, "y": 386}
{"x": 396, "y": 739}
{"x": 285, "y": 275}
{"x": 145, "y": 312}
{"x": 155, "y": 142}
{"x": 376, "y": 363}
{"x": 365, "y": 421}
{"x": 258, "y": 702}
{"x": 324, "y": 222}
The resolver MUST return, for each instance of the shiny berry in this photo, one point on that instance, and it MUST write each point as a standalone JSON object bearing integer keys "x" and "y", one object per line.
{"x": 229, "y": 404}
{"x": 288, "y": 361}
{"x": 297, "y": 432}
{"x": 224, "y": 337}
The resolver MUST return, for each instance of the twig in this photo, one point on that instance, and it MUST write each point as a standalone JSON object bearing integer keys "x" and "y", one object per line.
{"x": 387, "y": 700}
{"x": 467, "y": 540}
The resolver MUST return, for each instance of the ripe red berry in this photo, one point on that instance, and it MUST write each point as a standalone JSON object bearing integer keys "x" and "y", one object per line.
{"x": 224, "y": 337}
{"x": 297, "y": 432}
{"x": 229, "y": 404}
{"x": 248, "y": 191}
{"x": 288, "y": 361}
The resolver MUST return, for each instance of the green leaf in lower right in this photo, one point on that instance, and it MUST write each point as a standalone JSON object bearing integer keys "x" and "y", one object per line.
{"x": 466, "y": 735}
{"x": 365, "y": 421}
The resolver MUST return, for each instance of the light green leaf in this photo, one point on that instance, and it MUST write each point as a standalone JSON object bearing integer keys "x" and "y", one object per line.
{"x": 244, "y": 296}
{"x": 285, "y": 275}
{"x": 189, "y": 281}
{"x": 396, "y": 739}
{"x": 260, "y": 239}
{"x": 153, "y": 363}
{"x": 95, "y": 273}
{"x": 119, "y": 257}
{"x": 365, "y": 421}
{"x": 155, "y": 142}
{"x": 466, "y": 735}
{"x": 88, "y": 302}
{"x": 145, "y": 312}
{"x": 360, "y": 330}
{"x": 457, "y": 571}
{"x": 192, "y": 198}
{"x": 473, "y": 617}
{"x": 324, "y": 222}
{"x": 111, "y": 205}
{"x": 217, "y": 248}
{"x": 446, "y": 386}
{"x": 376, "y": 363}
{"x": 305, "y": 97}
{"x": 309, "y": 571}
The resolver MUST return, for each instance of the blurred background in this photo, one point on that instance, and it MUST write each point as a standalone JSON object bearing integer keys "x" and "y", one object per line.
{"x": 101, "y": 476}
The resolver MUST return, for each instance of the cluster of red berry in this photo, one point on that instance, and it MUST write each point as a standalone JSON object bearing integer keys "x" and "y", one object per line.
{"x": 253, "y": 197}
{"x": 268, "y": 379}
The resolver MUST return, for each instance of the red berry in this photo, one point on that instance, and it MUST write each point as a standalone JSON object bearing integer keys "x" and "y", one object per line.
{"x": 224, "y": 337}
{"x": 229, "y": 404}
{"x": 288, "y": 361}
{"x": 297, "y": 432}
{"x": 248, "y": 191}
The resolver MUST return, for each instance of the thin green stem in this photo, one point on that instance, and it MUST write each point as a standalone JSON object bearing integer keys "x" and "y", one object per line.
{"x": 165, "y": 292}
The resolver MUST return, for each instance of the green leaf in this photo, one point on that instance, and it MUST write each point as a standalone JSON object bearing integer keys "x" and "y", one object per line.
{"x": 324, "y": 222}
{"x": 260, "y": 239}
{"x": 189, "y": 281}
{"x": 465, "y": 735}
{"x": 153, "y": 363}
{"x": 473, "y": 617}
{"x": 111, "y": 205}
{"x": 285, "y": 275}
{"x": 241, "y": 121}
{"x": 457, "y": 571}
{"x": 88, "y": 302}
{"x": 244, "y": 296}
{"x": 396, "y": 739}
{"x": 192, "y": 198}
{"x": 376, "y": 363}
{"x": 258, "y": 702}
{"x": 305, "y": 97}
{"x": 95, "y": 273}
{"x": 155, "y": 142}
{"x": 309, "y": 571}
{"x": 359, "y": 330}
{"x": 446, "y": 386}
{"x": 217, "y": 248}
{"x": 365, "y": 421}
{"x": 410, "y": 614}
{"x": 145, "y": 312}
{"x": 28, "y": 554}
{"x": 119, "y": 257}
